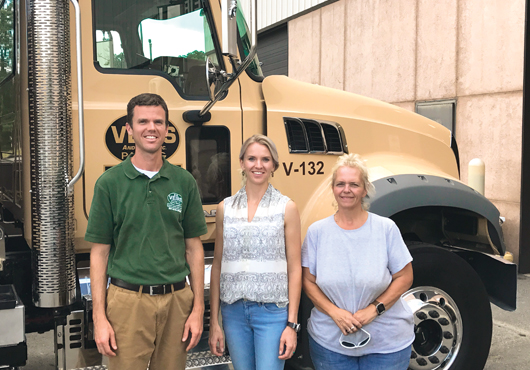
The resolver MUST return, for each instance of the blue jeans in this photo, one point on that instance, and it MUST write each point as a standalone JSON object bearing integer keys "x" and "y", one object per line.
{"x": 324, "y": 359}
{"x": 253, "y": 332}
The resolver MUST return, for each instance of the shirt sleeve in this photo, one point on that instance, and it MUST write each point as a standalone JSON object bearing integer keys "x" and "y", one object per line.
{"x": 100, "y": 221}
{"x": 309, "y": 251}
{"x": 398, "y": 253}
{"x": 193, "y": 221}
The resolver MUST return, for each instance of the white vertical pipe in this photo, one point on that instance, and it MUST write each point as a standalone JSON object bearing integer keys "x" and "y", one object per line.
{"x": 476, "y": 174}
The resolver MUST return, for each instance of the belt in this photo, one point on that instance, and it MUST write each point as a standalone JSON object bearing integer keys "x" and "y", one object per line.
{"x": 149, "y": 289}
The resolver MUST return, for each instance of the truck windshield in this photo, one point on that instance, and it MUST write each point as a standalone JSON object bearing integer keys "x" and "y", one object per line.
{"x": 171, "y": 38}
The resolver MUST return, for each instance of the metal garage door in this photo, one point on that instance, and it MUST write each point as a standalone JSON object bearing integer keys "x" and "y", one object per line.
{"x": 273, "y": 50}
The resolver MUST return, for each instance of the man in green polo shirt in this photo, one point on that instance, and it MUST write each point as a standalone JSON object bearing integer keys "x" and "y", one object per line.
{"x": 145, "y": 224}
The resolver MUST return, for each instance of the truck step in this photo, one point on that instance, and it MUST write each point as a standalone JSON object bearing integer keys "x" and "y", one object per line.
{"x": 196, "y": 360}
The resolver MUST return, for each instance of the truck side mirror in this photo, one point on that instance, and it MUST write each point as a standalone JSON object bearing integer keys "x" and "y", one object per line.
{"x": 216, "y": 77}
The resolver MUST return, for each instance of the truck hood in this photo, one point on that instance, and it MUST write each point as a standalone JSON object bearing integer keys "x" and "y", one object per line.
{"x": 283, "y": 94}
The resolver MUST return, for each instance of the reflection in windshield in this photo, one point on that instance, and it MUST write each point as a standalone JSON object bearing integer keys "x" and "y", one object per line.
{"x": 161, "y": 37}
{"x": 158, "y": 36}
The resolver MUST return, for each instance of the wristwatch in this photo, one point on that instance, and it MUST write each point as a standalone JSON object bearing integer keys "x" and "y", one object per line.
{"x": 379, "y": 307}
{"x": 295, "y": 327}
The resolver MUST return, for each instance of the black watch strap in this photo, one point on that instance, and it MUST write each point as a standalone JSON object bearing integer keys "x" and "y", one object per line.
{"x": 295, "y": 327}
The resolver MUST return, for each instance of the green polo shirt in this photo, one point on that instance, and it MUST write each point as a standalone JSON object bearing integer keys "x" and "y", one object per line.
{"x": 145, "y": 221}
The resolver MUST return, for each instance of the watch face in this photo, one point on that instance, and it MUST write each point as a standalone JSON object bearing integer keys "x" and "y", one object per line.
{"x": 380, "y": 308}
{"x": 296, "y": 327}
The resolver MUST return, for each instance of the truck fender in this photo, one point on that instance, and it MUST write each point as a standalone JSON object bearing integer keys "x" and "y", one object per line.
{"x": 403, "y": 192}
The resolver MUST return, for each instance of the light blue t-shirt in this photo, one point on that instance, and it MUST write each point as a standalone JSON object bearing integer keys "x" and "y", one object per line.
{"x": 353, "y": 268}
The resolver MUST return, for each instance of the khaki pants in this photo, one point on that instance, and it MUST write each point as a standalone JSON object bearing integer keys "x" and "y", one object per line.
{"x": 148, "y": 328}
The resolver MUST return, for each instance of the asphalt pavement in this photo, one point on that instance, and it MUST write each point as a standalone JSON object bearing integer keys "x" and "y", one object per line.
{"x": 510, "y": 348}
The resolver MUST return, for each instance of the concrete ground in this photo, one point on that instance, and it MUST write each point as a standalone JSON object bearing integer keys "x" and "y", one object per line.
{"x": 510, "y": 348}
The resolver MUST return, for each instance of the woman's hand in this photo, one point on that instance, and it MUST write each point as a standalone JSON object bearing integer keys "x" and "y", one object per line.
{"x": 216, "y": 340}
{"x": 346, "y": 321}
{"x": 287, "y": 343}
{"x": 366, "y": 315}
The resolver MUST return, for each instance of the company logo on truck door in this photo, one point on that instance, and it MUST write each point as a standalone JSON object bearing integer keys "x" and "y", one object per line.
{"x": 121, "y": 144}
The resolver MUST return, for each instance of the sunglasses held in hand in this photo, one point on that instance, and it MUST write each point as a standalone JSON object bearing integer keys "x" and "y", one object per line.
{"x": 355, "y": 340}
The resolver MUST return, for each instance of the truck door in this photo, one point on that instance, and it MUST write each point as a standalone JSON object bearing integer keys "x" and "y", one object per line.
{"x": 137, "y": 46}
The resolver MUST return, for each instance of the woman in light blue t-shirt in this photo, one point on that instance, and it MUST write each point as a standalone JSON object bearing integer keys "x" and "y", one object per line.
{"x": 355, "y": 269}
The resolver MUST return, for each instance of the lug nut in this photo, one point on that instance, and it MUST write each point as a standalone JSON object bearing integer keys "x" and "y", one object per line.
{"x": 421, "y": 361}
{"x": 444, "y": 350}
{"x": 443, "y": 321}
{"x": 413, "y": 355}
{"x": 434, "y": 314}
{"x": 448, "y": 335}
{"x": 421, "y": 315}
{"x": 434, "y": 360}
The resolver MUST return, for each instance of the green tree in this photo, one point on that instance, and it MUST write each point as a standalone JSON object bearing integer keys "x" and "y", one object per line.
{"x": 6, "y": 39}
{"x": 119, "y": 61}
{"x": 196, "y": 54}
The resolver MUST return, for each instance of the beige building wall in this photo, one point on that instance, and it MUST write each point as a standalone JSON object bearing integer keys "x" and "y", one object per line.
{"x": 407, "y": 51}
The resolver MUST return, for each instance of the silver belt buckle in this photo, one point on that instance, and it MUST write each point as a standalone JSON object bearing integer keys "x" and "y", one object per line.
{"x": 156, "y": 286}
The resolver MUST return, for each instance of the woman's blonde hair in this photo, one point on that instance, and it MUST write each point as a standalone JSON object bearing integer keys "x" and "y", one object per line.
{"x": 353, "y": 160}
{"x": 263, "y": 140}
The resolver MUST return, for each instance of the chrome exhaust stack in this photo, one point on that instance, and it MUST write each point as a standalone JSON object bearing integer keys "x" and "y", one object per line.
{"x": 50, "y": 116}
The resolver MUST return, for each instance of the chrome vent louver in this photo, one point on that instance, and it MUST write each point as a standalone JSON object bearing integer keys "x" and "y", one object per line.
{"x": 333, "y": 138}
{"x": 296, "y": 136}
{"x": 314, "y": 136}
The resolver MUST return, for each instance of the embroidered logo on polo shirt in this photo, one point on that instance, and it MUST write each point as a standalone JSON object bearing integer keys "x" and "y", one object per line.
{"x": 174, "y": 202}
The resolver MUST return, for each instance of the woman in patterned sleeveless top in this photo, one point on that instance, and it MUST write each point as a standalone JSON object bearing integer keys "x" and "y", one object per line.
{"x": 256, "y": 273}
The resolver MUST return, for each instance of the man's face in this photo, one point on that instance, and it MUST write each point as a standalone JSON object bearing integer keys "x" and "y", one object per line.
{"x": 149, "y": 129}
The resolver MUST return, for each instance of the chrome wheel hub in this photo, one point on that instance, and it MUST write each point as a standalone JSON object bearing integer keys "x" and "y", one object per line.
{"x": 438, "y": 328}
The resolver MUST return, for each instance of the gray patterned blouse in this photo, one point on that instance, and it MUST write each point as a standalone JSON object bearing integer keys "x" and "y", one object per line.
{"x": 254, "y": 265}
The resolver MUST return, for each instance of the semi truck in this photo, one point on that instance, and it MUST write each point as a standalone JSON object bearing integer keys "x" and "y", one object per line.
{"x": 67, "y": 71}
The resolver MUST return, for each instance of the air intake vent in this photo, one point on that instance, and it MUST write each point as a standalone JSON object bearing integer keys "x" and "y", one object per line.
{"x": 314, "y": 136}
{"x": 296, "y": 135}
{"x": 333, "y": 138}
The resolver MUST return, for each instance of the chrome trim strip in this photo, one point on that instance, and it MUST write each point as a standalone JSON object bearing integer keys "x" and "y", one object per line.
{"x": 80, "y": 106}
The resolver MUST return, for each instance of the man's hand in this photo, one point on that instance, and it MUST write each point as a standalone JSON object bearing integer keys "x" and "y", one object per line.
{"x": 105, "y": 337}
{"x": 193, "y": 326}
{"x": 287, "y": 343}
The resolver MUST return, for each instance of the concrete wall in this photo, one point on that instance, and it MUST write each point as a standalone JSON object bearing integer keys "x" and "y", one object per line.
{"x": 405, "y": 51}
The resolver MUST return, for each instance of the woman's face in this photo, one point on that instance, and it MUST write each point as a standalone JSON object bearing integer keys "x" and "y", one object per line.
{"x": 257, "y": 163}
{"x": 348, "y": 188}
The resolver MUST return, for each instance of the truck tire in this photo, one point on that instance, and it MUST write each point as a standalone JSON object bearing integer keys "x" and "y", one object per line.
{"x": 452, "y": 312}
